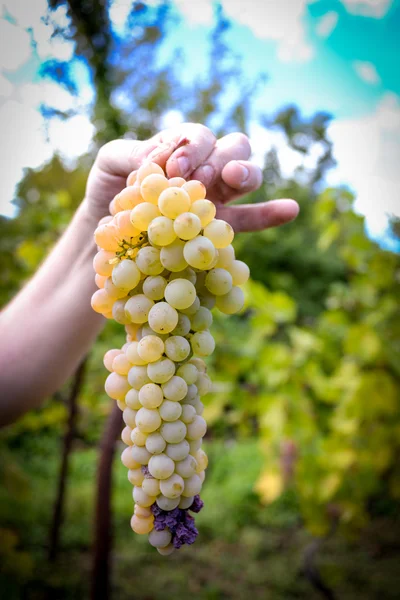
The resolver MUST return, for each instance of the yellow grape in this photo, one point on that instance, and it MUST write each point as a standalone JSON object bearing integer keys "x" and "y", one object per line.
{"x": 101, "y": 302}
{"x": 152, "y": 186}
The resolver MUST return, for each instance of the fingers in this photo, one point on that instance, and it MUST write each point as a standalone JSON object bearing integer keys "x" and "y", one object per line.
{"x": 188, "y": 157}
{"x": 234, "y": 146}
{"x": 120, "y": 157}
{"x": 254, "y": 217}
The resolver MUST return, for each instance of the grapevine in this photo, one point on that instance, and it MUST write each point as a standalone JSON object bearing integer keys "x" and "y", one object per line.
{"x": 163, "y": 262}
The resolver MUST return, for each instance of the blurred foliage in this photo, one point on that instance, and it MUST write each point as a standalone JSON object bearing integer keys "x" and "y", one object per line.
{"x": 304, "y": 418}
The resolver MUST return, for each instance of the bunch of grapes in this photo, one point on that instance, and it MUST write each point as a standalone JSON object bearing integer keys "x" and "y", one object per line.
{"x": 163, "y": 263}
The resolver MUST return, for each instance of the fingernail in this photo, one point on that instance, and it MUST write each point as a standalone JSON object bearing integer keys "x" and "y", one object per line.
{"x": 184, "y": 165}
{"x": 205, "y": 174}
{"x": 244, "y": 173}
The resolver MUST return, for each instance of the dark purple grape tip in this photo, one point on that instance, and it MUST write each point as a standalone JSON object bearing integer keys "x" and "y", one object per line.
{"x": 180, "y": 523}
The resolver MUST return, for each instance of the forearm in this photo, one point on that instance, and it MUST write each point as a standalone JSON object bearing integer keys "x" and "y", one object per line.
{"x": 50, "y": 325}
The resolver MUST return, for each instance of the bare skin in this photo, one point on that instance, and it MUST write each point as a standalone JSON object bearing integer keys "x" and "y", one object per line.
{"x": 49, "y": 326}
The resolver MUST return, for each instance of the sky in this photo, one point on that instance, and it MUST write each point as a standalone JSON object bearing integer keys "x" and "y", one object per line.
{"x": 339, "y": 56}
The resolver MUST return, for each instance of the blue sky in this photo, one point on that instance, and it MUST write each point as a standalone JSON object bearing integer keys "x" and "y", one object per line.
{"x": 339, "y": 56}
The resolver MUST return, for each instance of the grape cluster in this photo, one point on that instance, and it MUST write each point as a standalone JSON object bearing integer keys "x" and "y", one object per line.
{"x": 163, "y": 263}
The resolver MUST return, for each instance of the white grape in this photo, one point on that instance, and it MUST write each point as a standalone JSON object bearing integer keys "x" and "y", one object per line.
{"x": 192, "y": 486}
{"x": 188, "y": 413}
{"x": 170, "y": 411}
{"x": 141, "y": 498}
{"x": 175, "y": 388}
{"x": 178, "y": 451}
{"x": 159, "y": 539}
{"x": 148, "y": 419}
{"x": 219, "y": 232}
{"x": 205, "y": 210}
{"x": 203, "y": 384}
{"x": 187, "y": 225}
{"x": 132, "y": 399}
{"x": 155, "y": 443}
{"x": 126, "y": 435}
{"x": 116, "y": 386}
{"x": 193, "y": 308}
{"x": 151, "y": 487}
{"x": 173, "y": 201}
{"x": 202, "y": 343}
{"x": 161, "y": 371}
{"x": 199, "y": 252}
{"x": 188, "y": 372}
{"x": 161, "y": 231}
{"x": 148, "y": 261}
{"x": 143, "y": 214}
{"x": 140, "y": 454}
{"x": 226, "y": 256}
{"x": 161, "y": 466}
{"x": 175, "y": 432}
{"x": 232, "y": 302}
{"x": 183, "y": 326}
{"x": 207, "y": 299}
{"x": 187, "y": 467}
{"x": 173, "y": 486}
{"x": 109, "y": 357}
{"x": 150, "y": 348}
{"x": 177, "y": 348}
{"x": 239, "y": 271}
{"x": 202, "y": 460}
{"x": 154, "y": 286}
{"x": 150, "y": 396}
{"x": 186, "y": 502}
{"x": 137, "y": 377}
{"x": 138, "y": 308}
{"x": 167, "y": 503}
{"x": 133, "y": 356}
{"x": 118, "y": 312}
{"x": 129, "y": 417}
{"x": 196, "y": 429}
{"x": 202, "y": 319}
{"x": 138, "y": 437}
{"x": 121, "y": 364}
{"x": 172, "y": 256}
{"x": 128, "y": 460}
{"x": 162, "y": 317}
{"x": 195, "y": 445}
{"x": 219, "y": 281}
{"x": 136, "y": 476}
{"x": 125, "y": 275}
{"x": 180, "y": 293}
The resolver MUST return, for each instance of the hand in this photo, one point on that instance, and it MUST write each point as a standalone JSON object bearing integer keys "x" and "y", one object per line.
{"x": 222, "y": 165}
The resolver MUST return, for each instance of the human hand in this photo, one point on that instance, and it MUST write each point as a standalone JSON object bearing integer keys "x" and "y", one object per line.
{"x": 221, "y": 165}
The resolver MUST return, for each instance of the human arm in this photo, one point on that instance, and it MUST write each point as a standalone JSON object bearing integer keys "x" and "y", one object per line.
{"x": 49, "y": 326}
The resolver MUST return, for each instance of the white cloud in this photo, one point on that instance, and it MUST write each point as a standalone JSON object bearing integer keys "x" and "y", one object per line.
{"x": 367, "y": 72}
{"x": 23, "y": 145}
{"x": 368, "y": 8}
{"x": 327, "y": 24}
{"x": 367, "y": 151}
{"x": 46, "y": 92}
{"x": 6, "y": 88}
{"x": 281, "y": 21}
{"x": 29, "y": 15}
{"x": 71, "y": 137}
{"x": 263, "y": 140}
{"x": 15, "y": 46}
